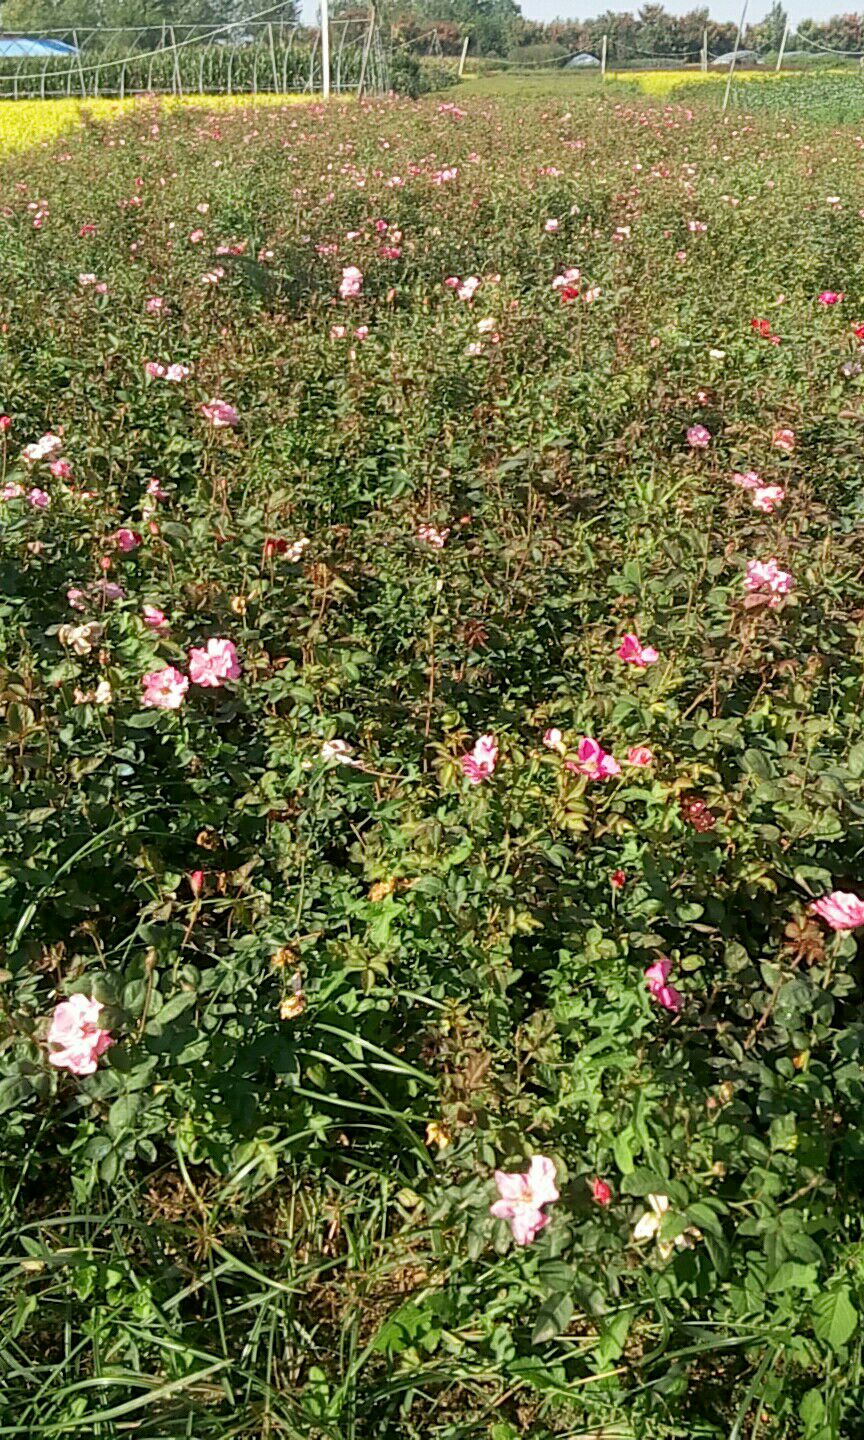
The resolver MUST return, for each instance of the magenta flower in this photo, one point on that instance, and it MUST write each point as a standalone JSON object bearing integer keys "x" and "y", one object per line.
{"x": 220, "y": 414}
{"x": 352, "y": 282}
{"x": 154, "y": 618}
{"x": 640, "y": 756}
{"x": 840, "y": 910}
{"x": 698, "y": 437}
{"x": 126, "y": 539}
{"x": 522, "y": 1197}
{"x": 214, "y": 664}
{"x": 480, "y": 763}
{"x": 39, "y": 499}
{"x": 592, "y": 760}
{"x": 632, "y": 652}
{"x": 656, "y": 978}
{"x": 830, "y": 297}
{"x": 76, "y": 1039}
{"x": 164, "y": 689}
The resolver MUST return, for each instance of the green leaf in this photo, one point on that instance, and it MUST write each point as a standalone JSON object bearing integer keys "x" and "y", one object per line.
{"x": 553, "y": 1317}
{"x": 792, "y": 1276}
{"x": 834, "y": 1316}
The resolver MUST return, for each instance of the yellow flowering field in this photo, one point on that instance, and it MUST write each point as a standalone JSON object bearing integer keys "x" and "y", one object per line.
{"x": 33, "y": 122}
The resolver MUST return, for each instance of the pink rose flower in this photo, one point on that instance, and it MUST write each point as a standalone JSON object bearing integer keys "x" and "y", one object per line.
{"x": 220, "y": 414}
{"x": 154, "y": 618}
{"x": 154, "y": 305}
{"x": 640, "y": 756}
{"x": 632, "y": 652}
{"x": 154, "y": 488}
{"x": 214, "y": 664}
{"x": 480, "y": 763}
{"x": 830, "y": 297}
{"x": 164, "y": 689}
{"x": 522, "y": 1197}
{"x": 698, "y": 437}
{"x": 592, "y": 760}
{"x": 352, "y": 282}
{"x": 841, "y": 910}
{"x": 431, "y": 535}
{"x": 60, "y": 469}
{"x": 39, "y": 499}
{"x": 553, "y": 740}
{"x": 153, "y": 370}
{"x": 126, "y": 539}
{"x": 656, "y": 977}
{"x": 750, "y": 480}
{"x": 784, "y": 439}
{"x": 76, "y": 1039}
{"x": 601, "y": 1193}
{"x": 176, "y": 373}
{"x": 767, "y": 497}
{"x": 766, "y": 576}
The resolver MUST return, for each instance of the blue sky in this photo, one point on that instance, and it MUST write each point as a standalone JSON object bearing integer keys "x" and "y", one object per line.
{"x": 720, "y": 9}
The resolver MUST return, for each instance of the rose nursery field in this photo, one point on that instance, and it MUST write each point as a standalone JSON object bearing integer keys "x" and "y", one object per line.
{"x": 432, "y": 622}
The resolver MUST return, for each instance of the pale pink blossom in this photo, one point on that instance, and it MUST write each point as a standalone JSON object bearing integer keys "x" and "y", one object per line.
{"x": 656, "y": 978}
{"x": 175, "y": 373}
{"x": 153, "y": 370}
{"x": 338, "y": 332}
{"x": 480, "y": 763}
{"x": 39, "y": 499}
{"x": 766, "y": 576}
{"x": 749, "y": 480}
{"x": 352, "y": 282}
{"x": 220, "y": 414}
{"x": 11, "y": 491}
{"x": 42, "y": 449}
{"x": 841, "y": 910}
{"x": 698, "y": 437}
{"x": 640, "y": 756}
{"x": 164, "y": 689}
{"x": 551, "y": 227}
{"x": 468, "y": 288}
{"x": 76, "y": 1039}
{"x": 126, "y": 539}
{"x": 154, "y": 489}
{"x": 522, "y": 1197}
{"x": 60, "y": 469}
{"x": 154, "y": 618}
{"x": 154, "y": 305}
{"x": 213, "y": 664}
{"x": 784, "y": 439}
{"x": 568, "y": 279}
{"x": 554, "y": 740}
{"x": 767, "y": 497}
{"x": 196, "y": 236}
{"x": 593, "y": 761}
{"x": 632, "y": 652}
{"x": 432, "y": 535}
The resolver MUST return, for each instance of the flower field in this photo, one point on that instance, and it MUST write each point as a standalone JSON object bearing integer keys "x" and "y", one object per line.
{"x": 432, "y": 632}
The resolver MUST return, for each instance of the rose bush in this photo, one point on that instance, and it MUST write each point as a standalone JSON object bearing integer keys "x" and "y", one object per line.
{"x": 423, "y": 760}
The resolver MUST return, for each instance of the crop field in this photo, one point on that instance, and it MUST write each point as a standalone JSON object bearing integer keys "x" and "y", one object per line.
{"x": 431, "y": 664}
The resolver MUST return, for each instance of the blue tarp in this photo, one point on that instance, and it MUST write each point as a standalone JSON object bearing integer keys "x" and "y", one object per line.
{"x": 22, "y": 48}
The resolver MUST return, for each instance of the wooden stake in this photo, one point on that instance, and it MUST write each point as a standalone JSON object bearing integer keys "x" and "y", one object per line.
{"x": 462, "y": 56}
{"x": 325, "y": 49}
{"x": 734, "y": 57}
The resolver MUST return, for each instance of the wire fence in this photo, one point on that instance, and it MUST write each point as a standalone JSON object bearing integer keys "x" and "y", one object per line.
{"x": 265, "y": 53}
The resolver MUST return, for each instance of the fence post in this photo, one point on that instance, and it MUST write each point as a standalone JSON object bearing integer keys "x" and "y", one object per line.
{"x": 783, "y": 44}
{"x": 273, "y": 58}
{"x": 176, "y": 80}
{"x": 325, "y": 49}
{"x": 703, "y": 59}
{"x": 603, "y": 59}
{"x": 367, "y": 46}
{"x": 734, "y": 57}
{"x": 462, "y": 56}
{"x": 80, "y": 66}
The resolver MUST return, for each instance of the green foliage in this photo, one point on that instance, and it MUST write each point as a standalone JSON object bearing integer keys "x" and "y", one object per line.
{"x": 266, "y": 1212}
